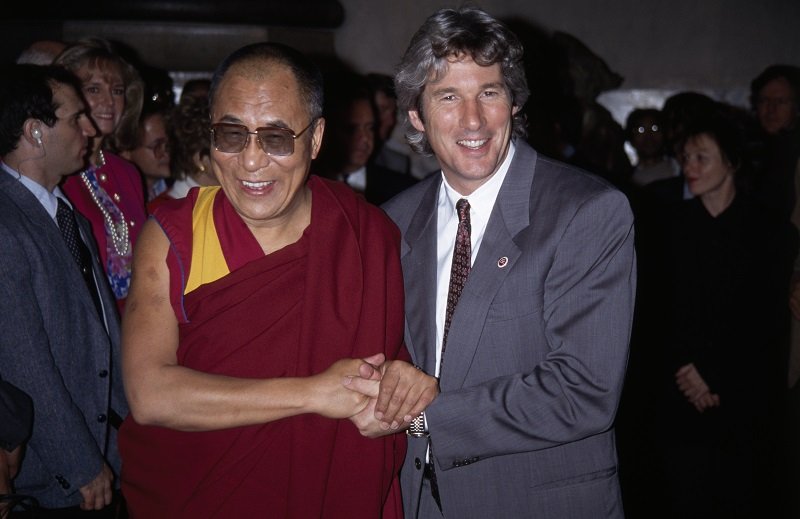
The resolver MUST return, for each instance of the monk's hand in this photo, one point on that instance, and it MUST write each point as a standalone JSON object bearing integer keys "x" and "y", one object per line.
{"x": 331, "y": 398}
{"x": 405, "y": 392}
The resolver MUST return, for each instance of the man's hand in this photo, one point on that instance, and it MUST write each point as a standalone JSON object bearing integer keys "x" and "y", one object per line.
{"x": 695, "y": 389}
{"x": 368, "y": 425}
{"x": 404, "y": 393}
{"x": 97, "y": 493}
{"x": 365, "y": 421}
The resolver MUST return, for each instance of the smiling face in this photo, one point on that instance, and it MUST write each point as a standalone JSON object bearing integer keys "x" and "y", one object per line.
{"x": 104, "y": 91}
{"x": 265, "y": 190}
{"x": 467, "y": 117}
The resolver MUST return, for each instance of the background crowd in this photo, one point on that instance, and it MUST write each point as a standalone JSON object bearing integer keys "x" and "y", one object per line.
{"x": 708, "y": 422}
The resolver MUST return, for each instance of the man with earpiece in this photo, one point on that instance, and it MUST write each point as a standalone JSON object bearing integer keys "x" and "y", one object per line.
{"x": 60, "y": 340}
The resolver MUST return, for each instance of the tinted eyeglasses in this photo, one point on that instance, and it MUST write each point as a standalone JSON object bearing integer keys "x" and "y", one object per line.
{"x": 274, "y": 140}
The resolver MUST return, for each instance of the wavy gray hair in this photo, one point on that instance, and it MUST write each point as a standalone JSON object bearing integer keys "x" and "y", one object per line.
{"x": 449, "y": 33}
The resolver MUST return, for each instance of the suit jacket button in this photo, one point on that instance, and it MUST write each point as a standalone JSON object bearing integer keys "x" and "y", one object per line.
{"x": 103, "y": 373}
{"x": 65, "y": 485}
{"x": 101, "y": 418}
{"x": 417, "y": 463}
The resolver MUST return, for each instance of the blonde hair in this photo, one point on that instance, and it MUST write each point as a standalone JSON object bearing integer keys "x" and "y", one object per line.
{"x": 97, "y": 53}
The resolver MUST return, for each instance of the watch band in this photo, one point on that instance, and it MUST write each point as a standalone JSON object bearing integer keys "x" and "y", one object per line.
{"x": 417, "y": 428}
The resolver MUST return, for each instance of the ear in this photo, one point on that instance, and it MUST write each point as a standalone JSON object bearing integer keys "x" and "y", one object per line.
{"x": 200, "y": 161}
{"x": 416, "y": 121}
{"x": 32, "y": 132}
{"x": 316, "y": 137}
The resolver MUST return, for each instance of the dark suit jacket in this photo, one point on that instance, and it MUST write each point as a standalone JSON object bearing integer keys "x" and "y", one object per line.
{"x": 383, "y": 183}
{"x": 536, "y": 351}
{"x": 56, "y": 349}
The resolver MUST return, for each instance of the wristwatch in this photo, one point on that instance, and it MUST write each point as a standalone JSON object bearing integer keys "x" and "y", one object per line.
{"x": 418, "y": 427}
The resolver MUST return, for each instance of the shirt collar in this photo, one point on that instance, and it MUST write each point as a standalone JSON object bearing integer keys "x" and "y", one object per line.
{"x": 48, "y": 200}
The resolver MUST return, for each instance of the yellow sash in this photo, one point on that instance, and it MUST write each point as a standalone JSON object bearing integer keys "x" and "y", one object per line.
{"x": 208, "y": 261}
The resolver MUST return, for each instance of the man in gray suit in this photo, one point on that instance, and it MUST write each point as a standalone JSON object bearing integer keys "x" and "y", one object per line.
{"x": 60, "y": 340}
{"x": 530, "y": 358}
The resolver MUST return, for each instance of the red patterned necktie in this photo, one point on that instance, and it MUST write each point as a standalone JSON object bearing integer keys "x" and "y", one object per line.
{"x": 459, "y": 270}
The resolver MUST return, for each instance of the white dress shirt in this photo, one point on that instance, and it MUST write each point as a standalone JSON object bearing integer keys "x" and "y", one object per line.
{"x": 481, "y": 202}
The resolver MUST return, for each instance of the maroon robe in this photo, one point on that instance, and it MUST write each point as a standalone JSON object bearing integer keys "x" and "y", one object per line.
{"x": 336, "y": 293}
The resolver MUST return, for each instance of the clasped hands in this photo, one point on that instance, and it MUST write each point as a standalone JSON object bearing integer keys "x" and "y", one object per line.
{"x": 695, "y": 389}
{"x": 397, "y": 392}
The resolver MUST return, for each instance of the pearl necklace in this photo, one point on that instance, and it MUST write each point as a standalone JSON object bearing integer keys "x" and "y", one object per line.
{"x": 119, "y": 231}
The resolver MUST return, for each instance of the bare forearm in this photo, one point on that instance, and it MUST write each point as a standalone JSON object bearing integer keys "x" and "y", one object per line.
{"x": 185, "y": 399}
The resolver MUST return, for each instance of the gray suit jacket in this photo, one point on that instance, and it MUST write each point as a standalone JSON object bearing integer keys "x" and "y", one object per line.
{"x": 56, "y": 349}
{"x": 536, "y": 351}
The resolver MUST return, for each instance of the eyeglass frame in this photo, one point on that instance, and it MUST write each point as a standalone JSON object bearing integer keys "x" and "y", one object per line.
{"x": 289, "y": 131}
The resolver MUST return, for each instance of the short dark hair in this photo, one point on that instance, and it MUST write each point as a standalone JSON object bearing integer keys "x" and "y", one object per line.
{"x": 724, "y": 129}
{"x": 308, "y": 76}
{"x": 788, "y": 72}
{"x": 26, "y": 92}
{"x": 448, "y": 33}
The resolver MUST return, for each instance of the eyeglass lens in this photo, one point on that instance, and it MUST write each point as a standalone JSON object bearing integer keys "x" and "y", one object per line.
{"x": 232, "y": 138}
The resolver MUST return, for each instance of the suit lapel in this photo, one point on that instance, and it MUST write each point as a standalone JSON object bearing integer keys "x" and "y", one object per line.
{"x": 50, "y": 235}
{"x": 419, "y": 258}
{"x": 496, "y": 258}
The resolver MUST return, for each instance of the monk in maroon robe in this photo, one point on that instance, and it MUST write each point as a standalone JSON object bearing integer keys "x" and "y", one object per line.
{"x": 251, "y": 307}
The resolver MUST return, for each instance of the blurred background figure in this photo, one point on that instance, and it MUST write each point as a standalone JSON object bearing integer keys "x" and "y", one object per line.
{"x": 721, "y": 267}
{"x": 776, "y": 145}
{"x": 644, "y": 130}
{"x": 157, "y": 86}
{"x": 152, "y": 152}
{"x": 348, "y": 144}
{"x": 196, "y": 88}
{"x": 601, "y": 148}
{"x": 109, "y": 193}
{"x": 187, "y": 127}
{"x": 385, "y": 99}
{"x": 42, "y": 52}
{"x": 774, "y": 98}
